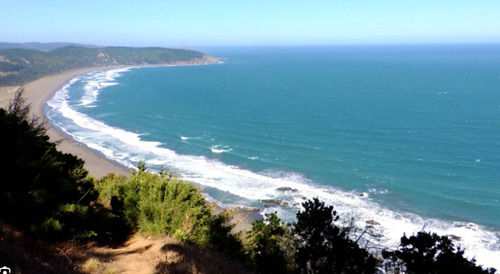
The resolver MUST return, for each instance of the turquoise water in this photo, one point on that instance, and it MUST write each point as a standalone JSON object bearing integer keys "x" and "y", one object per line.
{"x": 406, "y": 135}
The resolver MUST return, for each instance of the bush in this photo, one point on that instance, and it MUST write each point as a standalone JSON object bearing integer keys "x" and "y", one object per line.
{"x": 325, "y": 247}
{"x": 430, "y": 253}
{"x": 158, "y": 205}
{"x": 43, "y": 190}
{"x": 108, "y": 186}
{"x": 221, "y": 239}
{"x": 270, "y": 246}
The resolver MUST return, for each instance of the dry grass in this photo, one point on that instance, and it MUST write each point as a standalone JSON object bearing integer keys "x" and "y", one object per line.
{"x": 91, "y": 265}
{"x": 26, "y": 255}
{"x": 111, "y": 270}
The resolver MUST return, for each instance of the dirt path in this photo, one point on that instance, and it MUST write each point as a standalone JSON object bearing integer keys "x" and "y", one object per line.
{"x": 157, "y": 255}
{"x": 138, "y": 255}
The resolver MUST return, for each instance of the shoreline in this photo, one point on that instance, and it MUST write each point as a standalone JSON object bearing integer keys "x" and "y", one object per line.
{"x": 37, "y": 93}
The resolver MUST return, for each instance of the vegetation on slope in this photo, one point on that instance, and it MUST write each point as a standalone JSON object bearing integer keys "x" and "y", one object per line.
{"x": 42, "y": 189}
{"x": 161, "y": 204}
{"x": 48, "y": 195}
{"x": 19, "y": 66}
{"x": 42, "y": 46}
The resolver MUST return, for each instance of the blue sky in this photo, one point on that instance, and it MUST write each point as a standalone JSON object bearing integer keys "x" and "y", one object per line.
{"x": 228, "y": 23}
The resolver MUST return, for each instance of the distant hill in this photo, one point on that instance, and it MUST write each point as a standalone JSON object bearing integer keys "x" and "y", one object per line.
{"x": 19, "y": 66}
{"x": 42, "y": 46}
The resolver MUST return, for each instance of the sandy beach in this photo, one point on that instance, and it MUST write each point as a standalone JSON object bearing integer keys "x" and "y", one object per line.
{"x": 37, "y": 93}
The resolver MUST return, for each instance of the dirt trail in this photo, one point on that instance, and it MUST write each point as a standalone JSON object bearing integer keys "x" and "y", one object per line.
{"x": 138, "y": 255}
{"x": 158, "y": 255}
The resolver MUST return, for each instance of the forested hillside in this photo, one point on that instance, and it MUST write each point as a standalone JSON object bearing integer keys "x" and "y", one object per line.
{"x": 42, "y": 46}
{"x": 19, "y": 66}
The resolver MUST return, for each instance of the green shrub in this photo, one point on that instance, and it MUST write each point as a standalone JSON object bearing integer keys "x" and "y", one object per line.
{"x": 167, "y": 205}
{"x": 221, "y": 239}
{"x": 324, "y": 246}
{"x": 42, "y": 190}
{"x": 159, "y": 204}
{"x": 108, "y": 186}
{"x": 430, "y": 253}
{"x": 270, "y": 246}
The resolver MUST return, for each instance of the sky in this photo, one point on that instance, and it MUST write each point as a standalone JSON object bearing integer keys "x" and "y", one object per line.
{"x": 198, "y": 23}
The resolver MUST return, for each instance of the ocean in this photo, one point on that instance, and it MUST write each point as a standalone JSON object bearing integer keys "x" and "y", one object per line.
{"x": 408, "y": 136}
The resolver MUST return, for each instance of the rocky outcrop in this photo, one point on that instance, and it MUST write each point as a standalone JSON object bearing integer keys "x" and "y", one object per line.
{"x": 286, "y": 189}
{"x": 372, "y": 222}
{"x": 275, "y": 201}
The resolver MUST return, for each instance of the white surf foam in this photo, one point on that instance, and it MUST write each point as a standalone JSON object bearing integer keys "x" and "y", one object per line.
{"x": 96, "y": 81}
{"x": 127, "y": 148}
{"x": 218, "y": 149}
{"x": 184, "y": 138}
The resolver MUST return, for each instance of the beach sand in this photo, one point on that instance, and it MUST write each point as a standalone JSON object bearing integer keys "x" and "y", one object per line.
{"x": 37, "y": 93}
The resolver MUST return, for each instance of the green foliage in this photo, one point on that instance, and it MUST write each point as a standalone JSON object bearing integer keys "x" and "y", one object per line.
{"x": 51, "y": 225}
{"x": 42, "y": 190}
{"x": 162, "y": 204}
{"x": 108, "y": 186}
{"x": 314, "y": 244}
{"x": 326, "y": 247}
{"x": 271, "y": 246}
{"x": 430, "y": 253}
{"x": 18, "y": 66}
{"x": 220, "y": 237}
{"x": 159, "y": 205}
{"x": 42, "y": 46}
{"x": 141, "y": 167}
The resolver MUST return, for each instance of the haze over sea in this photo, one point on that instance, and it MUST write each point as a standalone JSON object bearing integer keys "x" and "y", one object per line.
{"x": 408, "y": 136}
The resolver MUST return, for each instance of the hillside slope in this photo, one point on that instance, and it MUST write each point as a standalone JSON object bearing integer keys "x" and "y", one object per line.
{"x": 42, "y": 46}
{"x": 19, "y": 66}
